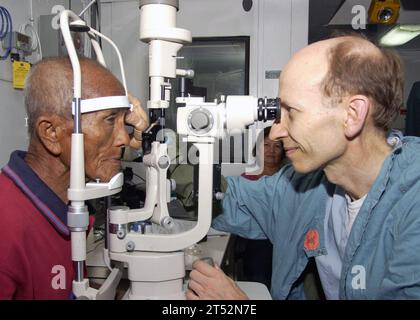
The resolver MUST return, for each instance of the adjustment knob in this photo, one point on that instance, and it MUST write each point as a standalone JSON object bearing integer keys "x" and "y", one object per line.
{"x": 200, "y": 120}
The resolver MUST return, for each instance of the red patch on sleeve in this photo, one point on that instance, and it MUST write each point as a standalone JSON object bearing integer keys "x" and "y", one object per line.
{"x": 311, "y": 240}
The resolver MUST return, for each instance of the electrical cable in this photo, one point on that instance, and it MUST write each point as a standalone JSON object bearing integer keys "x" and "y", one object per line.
{"x": 36, "y": 42}
{"x": 86, "y": 7}
{"x": 6, "y": 28}
{"x": 85, "y": 15}
{"x": 138, "y": 176}
{"x": 93, "y": 7}
{"x": 98, "y": 19}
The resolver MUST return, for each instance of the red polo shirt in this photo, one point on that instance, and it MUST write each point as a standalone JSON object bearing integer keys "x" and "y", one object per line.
{"x": 35, "y": 252}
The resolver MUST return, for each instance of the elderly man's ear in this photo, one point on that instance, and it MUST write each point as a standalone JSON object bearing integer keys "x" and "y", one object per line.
{"x": 356, "y": 115}
{"x": 52, "y": 131}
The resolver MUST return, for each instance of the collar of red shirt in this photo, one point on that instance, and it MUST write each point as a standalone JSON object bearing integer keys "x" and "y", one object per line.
{"x": 47, "y": 202}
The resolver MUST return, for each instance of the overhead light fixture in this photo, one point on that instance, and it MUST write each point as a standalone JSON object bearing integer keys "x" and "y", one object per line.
{"x": 400, "y": 35}
{"x": 384, "y": 11}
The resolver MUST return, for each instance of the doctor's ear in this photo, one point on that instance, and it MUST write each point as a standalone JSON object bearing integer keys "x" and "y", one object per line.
{"x": 358, "y": 107}
{"x": 50, "y": 131}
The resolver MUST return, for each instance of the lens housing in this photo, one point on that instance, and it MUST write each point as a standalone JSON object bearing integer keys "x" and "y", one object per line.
{"x": 385, "y": 14}
{"x": 268, "y": 109}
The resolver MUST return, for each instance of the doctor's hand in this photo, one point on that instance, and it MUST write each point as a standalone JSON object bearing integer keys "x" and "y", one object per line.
{"x": 138, "y": 119}
{"x": 211, "y": 283}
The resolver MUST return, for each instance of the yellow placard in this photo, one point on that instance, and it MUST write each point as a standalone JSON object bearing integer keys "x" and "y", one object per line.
{"x": 20, "y": 70}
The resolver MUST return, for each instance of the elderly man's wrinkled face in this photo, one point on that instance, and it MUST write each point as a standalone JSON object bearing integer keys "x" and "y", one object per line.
{"x": 310, "y": 128}
{"x": 104, "y": 137}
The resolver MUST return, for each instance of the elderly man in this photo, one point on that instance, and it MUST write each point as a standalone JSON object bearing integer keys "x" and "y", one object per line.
{"x": 349, "y": 200}
{"x": 34, "y": 240}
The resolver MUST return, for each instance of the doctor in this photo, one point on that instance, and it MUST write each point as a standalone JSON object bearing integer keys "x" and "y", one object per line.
{"x": 350, "y": 199}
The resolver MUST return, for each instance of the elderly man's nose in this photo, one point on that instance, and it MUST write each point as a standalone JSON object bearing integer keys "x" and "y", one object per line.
{"x": 122, "y": 138}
